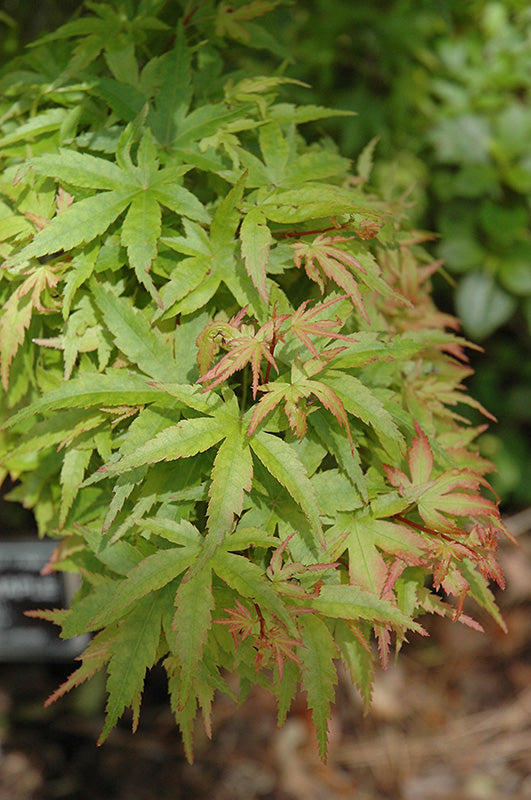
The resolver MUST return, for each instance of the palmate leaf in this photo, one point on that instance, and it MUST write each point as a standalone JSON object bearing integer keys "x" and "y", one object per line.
{"x": 232, "y": 474}
{"x": 133, "y": 651}
{"x": 445, "y": 494}
{"x": 256, "y": 240}
{"x": 303, "y": 324}
{"x": 319, "y": 675}
{"x": 291, "y": 393}
{"x": 194, "y": 604}
{"x": 324, "y": 260}
{"x": 361, "y": 402}
{"x": 144, "y": 188}
{"x": 248, "y": 580}
{"x": 244, "y": 345}
{"x": 216, "y": 254}
{"x": 151, "y": 574}
{"x": 135, "y": 338}
{"x": 281, "y": 461}
{"x": 187, "y": 438}
{"x": 350, "y": 603}
{"x": 367, "y": 538}
{"x": 244, "y": 349}
{"x": 115, "y": 388}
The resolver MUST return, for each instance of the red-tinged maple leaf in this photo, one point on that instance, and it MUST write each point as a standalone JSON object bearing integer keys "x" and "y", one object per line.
{"x": 213, "y": 336}
{"x": 300, "y": 388}
{"x": 303, "y": 324}
{"x": 281, "y": 572}
{"x": 240, "y": 622}
{"x": 243, "y": 350}
{"x": 368, "y": 228}
{"x": 447, "y": 494}
{"x": 455, "y": 584}
{"x": 63, "y": 201}
{"x": 276, "y": 643}
{"x": 383, "y": 637}
{"x": 484, "y": 541}
{"x": 245, "y": 346}
{"x": 322, "y": 258}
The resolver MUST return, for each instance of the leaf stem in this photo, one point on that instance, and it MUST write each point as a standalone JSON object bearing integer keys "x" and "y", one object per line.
{"x": 272, "y": 345}
{"x": 430, "y": 531}
{"x": 298, "y": 234}
{"x": 245, "y": 387}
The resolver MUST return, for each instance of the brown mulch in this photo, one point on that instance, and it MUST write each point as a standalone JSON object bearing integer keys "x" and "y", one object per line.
{"x": 451, "y": 720}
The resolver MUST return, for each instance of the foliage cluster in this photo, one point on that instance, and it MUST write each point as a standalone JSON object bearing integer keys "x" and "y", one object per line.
{"x": 230, "y": 395}
{"x": 446, "y": 88}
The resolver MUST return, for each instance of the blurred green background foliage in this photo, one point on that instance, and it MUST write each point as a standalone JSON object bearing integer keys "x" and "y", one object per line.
{"x": 446, "y": 88}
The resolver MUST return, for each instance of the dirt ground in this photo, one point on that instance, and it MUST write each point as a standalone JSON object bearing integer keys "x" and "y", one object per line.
{"x": 450, "y": 721}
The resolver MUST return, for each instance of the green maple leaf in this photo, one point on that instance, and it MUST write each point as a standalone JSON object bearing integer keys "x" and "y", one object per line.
{"x": 142, "y": 189}
{"x": 256, "y": 240}
{"x": 142, "y": 343}
{"x": 319, "y": 675}
{"x": 194, "y": 603}
{"x": 368, "y": 539}
{"x": 362, "y": 402}
{"x": 232, "y": 471}
{"x": 214, "y": 258}
{"x": 109, "y": 30}
{"x": 115, "y": 388}
{"x": 133, "y": 651}
{"x": 281, "y": 461}
{"x": 18, "y": 313}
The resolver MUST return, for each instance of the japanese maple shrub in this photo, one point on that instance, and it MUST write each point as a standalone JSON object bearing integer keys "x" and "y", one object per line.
{"x": 225, "y": 388}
